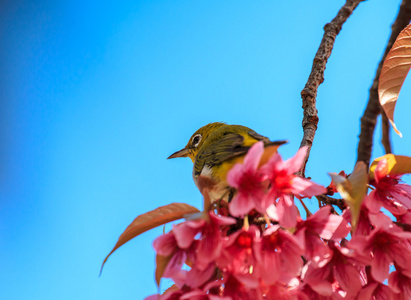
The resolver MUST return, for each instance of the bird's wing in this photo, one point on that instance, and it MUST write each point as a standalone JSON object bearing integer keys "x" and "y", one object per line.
{"x": 229, "y": 146}
{"x": 225, "y": 148}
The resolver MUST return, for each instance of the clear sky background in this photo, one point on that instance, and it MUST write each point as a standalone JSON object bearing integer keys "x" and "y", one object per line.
{"x": 97, "y": 94}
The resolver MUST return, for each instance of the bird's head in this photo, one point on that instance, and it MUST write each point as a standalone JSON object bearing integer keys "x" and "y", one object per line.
{"x": 197, "y": 141}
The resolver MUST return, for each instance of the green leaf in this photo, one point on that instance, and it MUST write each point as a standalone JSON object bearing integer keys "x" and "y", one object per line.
{"x": 353, "y": 189}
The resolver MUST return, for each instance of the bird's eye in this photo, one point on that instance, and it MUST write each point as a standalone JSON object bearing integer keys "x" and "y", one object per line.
{"x": 196, "y": 140}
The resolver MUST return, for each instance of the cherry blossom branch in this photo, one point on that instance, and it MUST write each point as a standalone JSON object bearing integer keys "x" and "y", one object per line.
{"x": 332, "y": 201}
{"x": 309, "y": 93}
{"x": 373, "y": 109}
{"x": 404, "y": 226}
{"x": 385, "y": 140}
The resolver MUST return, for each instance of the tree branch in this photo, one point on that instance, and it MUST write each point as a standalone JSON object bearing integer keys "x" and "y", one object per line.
{"x": 385, "y": 140}
{"x": 332, "y": 201}
{"x": 373, "y": 108}
{"x": 309, "y": 93}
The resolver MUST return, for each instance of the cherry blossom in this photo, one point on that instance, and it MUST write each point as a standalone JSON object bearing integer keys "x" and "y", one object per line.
{"x": 389, "y": 193}
{"x": 259, "y": 247}
{"x": 383, "y": 246}
{"x": 248, "y": 179}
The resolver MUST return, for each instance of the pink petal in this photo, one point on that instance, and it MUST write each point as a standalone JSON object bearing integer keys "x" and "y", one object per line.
{"x": 234, "y": 175}
{"x": 153, "y": 297}
{"x": 165, "y": 244}
{"x": 319, "y": 219}
{"x": 372, "y": 202}
{"x": 175, "y": 264}
{"x": 380, "y": 266}
{"x": 274, "y": 165}
{"x": 336, "y": 228}
{"x": 270, "y": 261}
{"x": 185, "y": 232}
{"x": 272, "y": 212}
{"x": 287, "y": 212}
{"x": 380, "y": 219}
{"x": 381, "y": 170}
{"x": 348, "y": 277}
{"x": 271, "y": 229}
{"x": 196, "y": 277}
{"x": 367, "y": 291}
{"x": 221, "y": 220}
{"x": 253, "y": 156}
{"x": 240, "y": 205}
{"x": 294, "y": 164}
{"x": 315, "y": 278}
{"x": 400, "y": 195}
{"x": 193, "y": 295}
{"x": 306, "y": 188}
{"x": 394, "y": 281}
{"x": 248, "y": 280}
{"x": 215, "y": 297}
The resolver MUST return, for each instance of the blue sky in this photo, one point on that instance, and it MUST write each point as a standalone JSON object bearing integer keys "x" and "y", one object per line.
{"x": 97, "y": 94}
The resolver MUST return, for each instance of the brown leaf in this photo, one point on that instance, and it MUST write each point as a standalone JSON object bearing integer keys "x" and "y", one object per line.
{"x": 172, "y": 288}
{"x": 393, "y": 73}
{"x": 151, "y": 219}
{"x": 161, "y": 264}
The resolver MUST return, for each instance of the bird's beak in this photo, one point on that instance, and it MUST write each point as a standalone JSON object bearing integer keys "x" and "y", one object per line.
{"x": 182, "y": 153}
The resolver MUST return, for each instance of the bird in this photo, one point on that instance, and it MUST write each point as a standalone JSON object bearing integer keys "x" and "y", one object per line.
{"x": 214, "y": 149}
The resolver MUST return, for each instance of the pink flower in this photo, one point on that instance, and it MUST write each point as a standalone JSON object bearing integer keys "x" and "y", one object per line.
{"x": 376, "y": 291}
{"x": 284, "y": 181}
{"x": 307, "y": 291}
{"x": 166, "y": 245}
{"x": 292, "y": 291}
{"x": 388, "y": 192}
{"x": 210, "y": 243}
{"x": 249, "y": 182}
{"x": 284, "y": 211}
{"x": 341, "y": 268}
{"x": 283, "y": 184}
{"x": 400, "y": 283}
{"x": 235, "y": 289}
{"x": 367, "y": 220}
{"x": 210, "y": 291}
{"x": 239, "y": 256}
{"x": 321, "y": 225}
{"x": 405, "y": 218}
{"x": 280, "y": 251}
{"x": 385, "y": 245}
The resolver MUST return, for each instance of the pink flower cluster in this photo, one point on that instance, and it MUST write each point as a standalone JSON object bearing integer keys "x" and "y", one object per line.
{"x": 258, "y": 247}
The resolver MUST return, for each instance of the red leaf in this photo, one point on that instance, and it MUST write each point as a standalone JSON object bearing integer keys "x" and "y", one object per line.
{"x": 151, "y": 219}
{"x": 393, "y": 73}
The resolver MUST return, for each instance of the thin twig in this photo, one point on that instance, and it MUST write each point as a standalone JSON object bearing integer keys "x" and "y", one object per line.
{"x": 373, "y": 108}
{"x": 309, "y": 93}
{"x": 385, "y": 140}
{"x": 332, "y": 201}
{"x": 307, "y": 211}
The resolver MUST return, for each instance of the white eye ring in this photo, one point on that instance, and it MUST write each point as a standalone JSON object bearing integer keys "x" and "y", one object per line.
{"x": 196, "y": 140}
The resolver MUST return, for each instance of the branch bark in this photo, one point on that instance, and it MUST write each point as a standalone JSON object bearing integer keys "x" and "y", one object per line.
{"x": 385, "y": 140}
{"x": 309, "y": 93}
{"x": 332, "y": 201}
{"x": 373, "y": 109}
